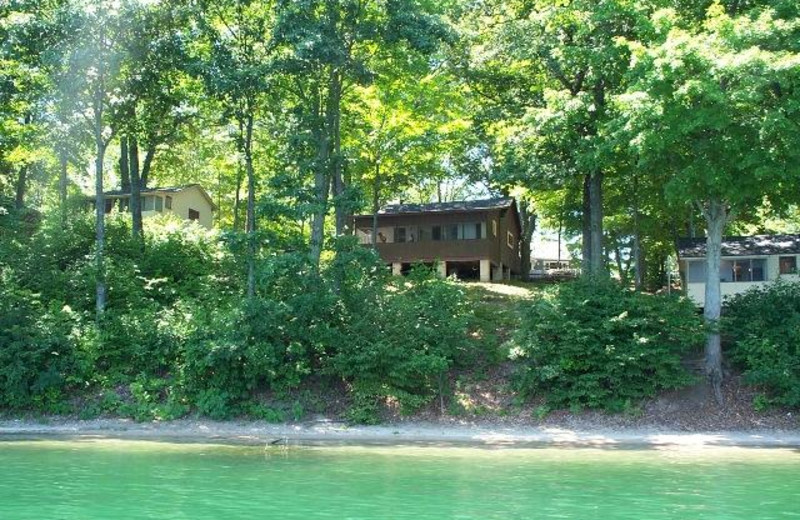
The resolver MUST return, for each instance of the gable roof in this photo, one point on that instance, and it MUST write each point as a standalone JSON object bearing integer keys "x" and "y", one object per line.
{"x": 167, "y": 189}
{"x": 448, "y": 207}
{"x": 755, "y": 245}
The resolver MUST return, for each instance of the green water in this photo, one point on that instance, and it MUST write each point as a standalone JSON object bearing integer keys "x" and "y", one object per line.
{"x": 116, "y": 480}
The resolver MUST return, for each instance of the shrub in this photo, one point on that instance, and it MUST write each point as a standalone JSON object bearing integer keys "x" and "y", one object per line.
{"x": 177, "y": 335}
{"x": 400, "y": 342}
{"x": 38, "y": 358}
{"x": 595, "y": 344}
{"x": 183, "y": 259}
{"x": 763, "y": 328}
{"x": 135, "y": 341}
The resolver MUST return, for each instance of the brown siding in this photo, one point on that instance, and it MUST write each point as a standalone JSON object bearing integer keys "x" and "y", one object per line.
{"x": 430, "y": 250}
{"x": 464, "y": 250}
{"x": 510, "y": 256}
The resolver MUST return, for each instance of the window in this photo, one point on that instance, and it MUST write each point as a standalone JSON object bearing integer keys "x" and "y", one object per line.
{"x": 148, "y": 203}
{"x": 168, "y": 202}
{"x": 194, "y": 214}
{"x": 494, "y": 227}
{"x": 697, "y": 272}
{"x": 364, "y": 236}
{"x": 739, "y": 272}
{"x": 726, "y": 271}
{"x": 743, "y": 270}
{"x": 459, "y": 231}
{"x": 452, "y": 232}
{"x": 109, "y": 205}
{"x": 758, "y": 270}
{"x": 788, "y": 264}
{"x": 471, "y": 231}
{"x": 510, "y": 239}
{"x": 159, "y": 203}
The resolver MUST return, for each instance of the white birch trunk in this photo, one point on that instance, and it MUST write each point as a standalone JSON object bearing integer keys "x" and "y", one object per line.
{"x": 716, "y": 219}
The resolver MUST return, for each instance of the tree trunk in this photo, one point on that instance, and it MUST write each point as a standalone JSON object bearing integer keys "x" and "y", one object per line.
{"x": 251, "y": 205}
{"x": 136, "y": 190}
{"x": 322, "y": 181}
{"x": 99, "y": 208}
{"x": 62, "y": 187}
{"x": 124, "y": 171}
{"x": 99, "y": 95}
{"x": 376, "y": 204}
{"x": 237, "y": 200}
{"x": 334, "y": 111}
{"x": 21, "y": 187}
{"x": 597, "y": 262}
{"x": 321, "y": 187}
{"x": 586, "y": 229}
{"x": 716, "y": 219}
{"x": 623, "y": 272}
{"x": 528, "y": 219}
{"x": 147, "y": 166}
{"x": 638, "y": 275}
{"x": 560, "y": 229}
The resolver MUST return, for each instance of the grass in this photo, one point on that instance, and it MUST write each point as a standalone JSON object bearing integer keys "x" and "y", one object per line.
{"x": 480, "y": 386}
{"x": 496, "y": 308}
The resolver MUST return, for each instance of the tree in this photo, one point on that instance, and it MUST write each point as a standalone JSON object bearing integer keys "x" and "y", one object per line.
{"x": 156, "y": 92}
{"x": 717, "y": 108}
{"x": 89, "y": 76}
{"x": 329, "y": 46}
{"x": 239, "y": 72}
{"x": 26, "y": 34}
{"x": 403, "y": 130}
{"x": 564, "y": 60}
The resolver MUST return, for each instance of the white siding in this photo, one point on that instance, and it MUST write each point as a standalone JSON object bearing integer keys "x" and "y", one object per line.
{"x": 696, "y": 291}
{"x": 192, "y": 198}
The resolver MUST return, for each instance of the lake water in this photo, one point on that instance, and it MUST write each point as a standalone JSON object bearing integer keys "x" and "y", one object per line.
{"x": 117, "y": 480}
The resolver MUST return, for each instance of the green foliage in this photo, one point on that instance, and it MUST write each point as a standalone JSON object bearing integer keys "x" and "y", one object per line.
{"x": 595, "y": 344}
{"x": 177, "y": 337}
{"x": 320, "y": 107}
{"x": 365, "y": 409}
{"x": 150, "y": 399}
{"x": 39, "y": 358}
{"x": 763, "y": 327}
{"x": 401, "y": 341}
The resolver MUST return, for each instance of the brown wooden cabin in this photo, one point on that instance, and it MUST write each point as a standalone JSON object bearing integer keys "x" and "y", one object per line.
{"x": 470, "y": 239}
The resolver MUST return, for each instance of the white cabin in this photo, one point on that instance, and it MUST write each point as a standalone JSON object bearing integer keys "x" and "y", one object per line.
{"x": 746, "y": 262}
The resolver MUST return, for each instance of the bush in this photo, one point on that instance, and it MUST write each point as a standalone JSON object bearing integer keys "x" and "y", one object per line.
{"x": 38, "y": 355}
{"x": 178, "y": 336}
{"x": 400, "y": 341}
{"x": 762, "y": 327}
{"x": 595, "y": 344}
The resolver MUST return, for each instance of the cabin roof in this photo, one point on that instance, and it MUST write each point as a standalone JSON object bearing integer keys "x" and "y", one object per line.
{"x": 165, "y": 189}
{"x": 755, "y": 245}
{"x": 459, "y": 206}
{"x": 171, "y": 189}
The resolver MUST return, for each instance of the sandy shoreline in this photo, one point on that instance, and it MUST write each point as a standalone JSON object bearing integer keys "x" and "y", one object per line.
{"x": 402, "y": 433}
